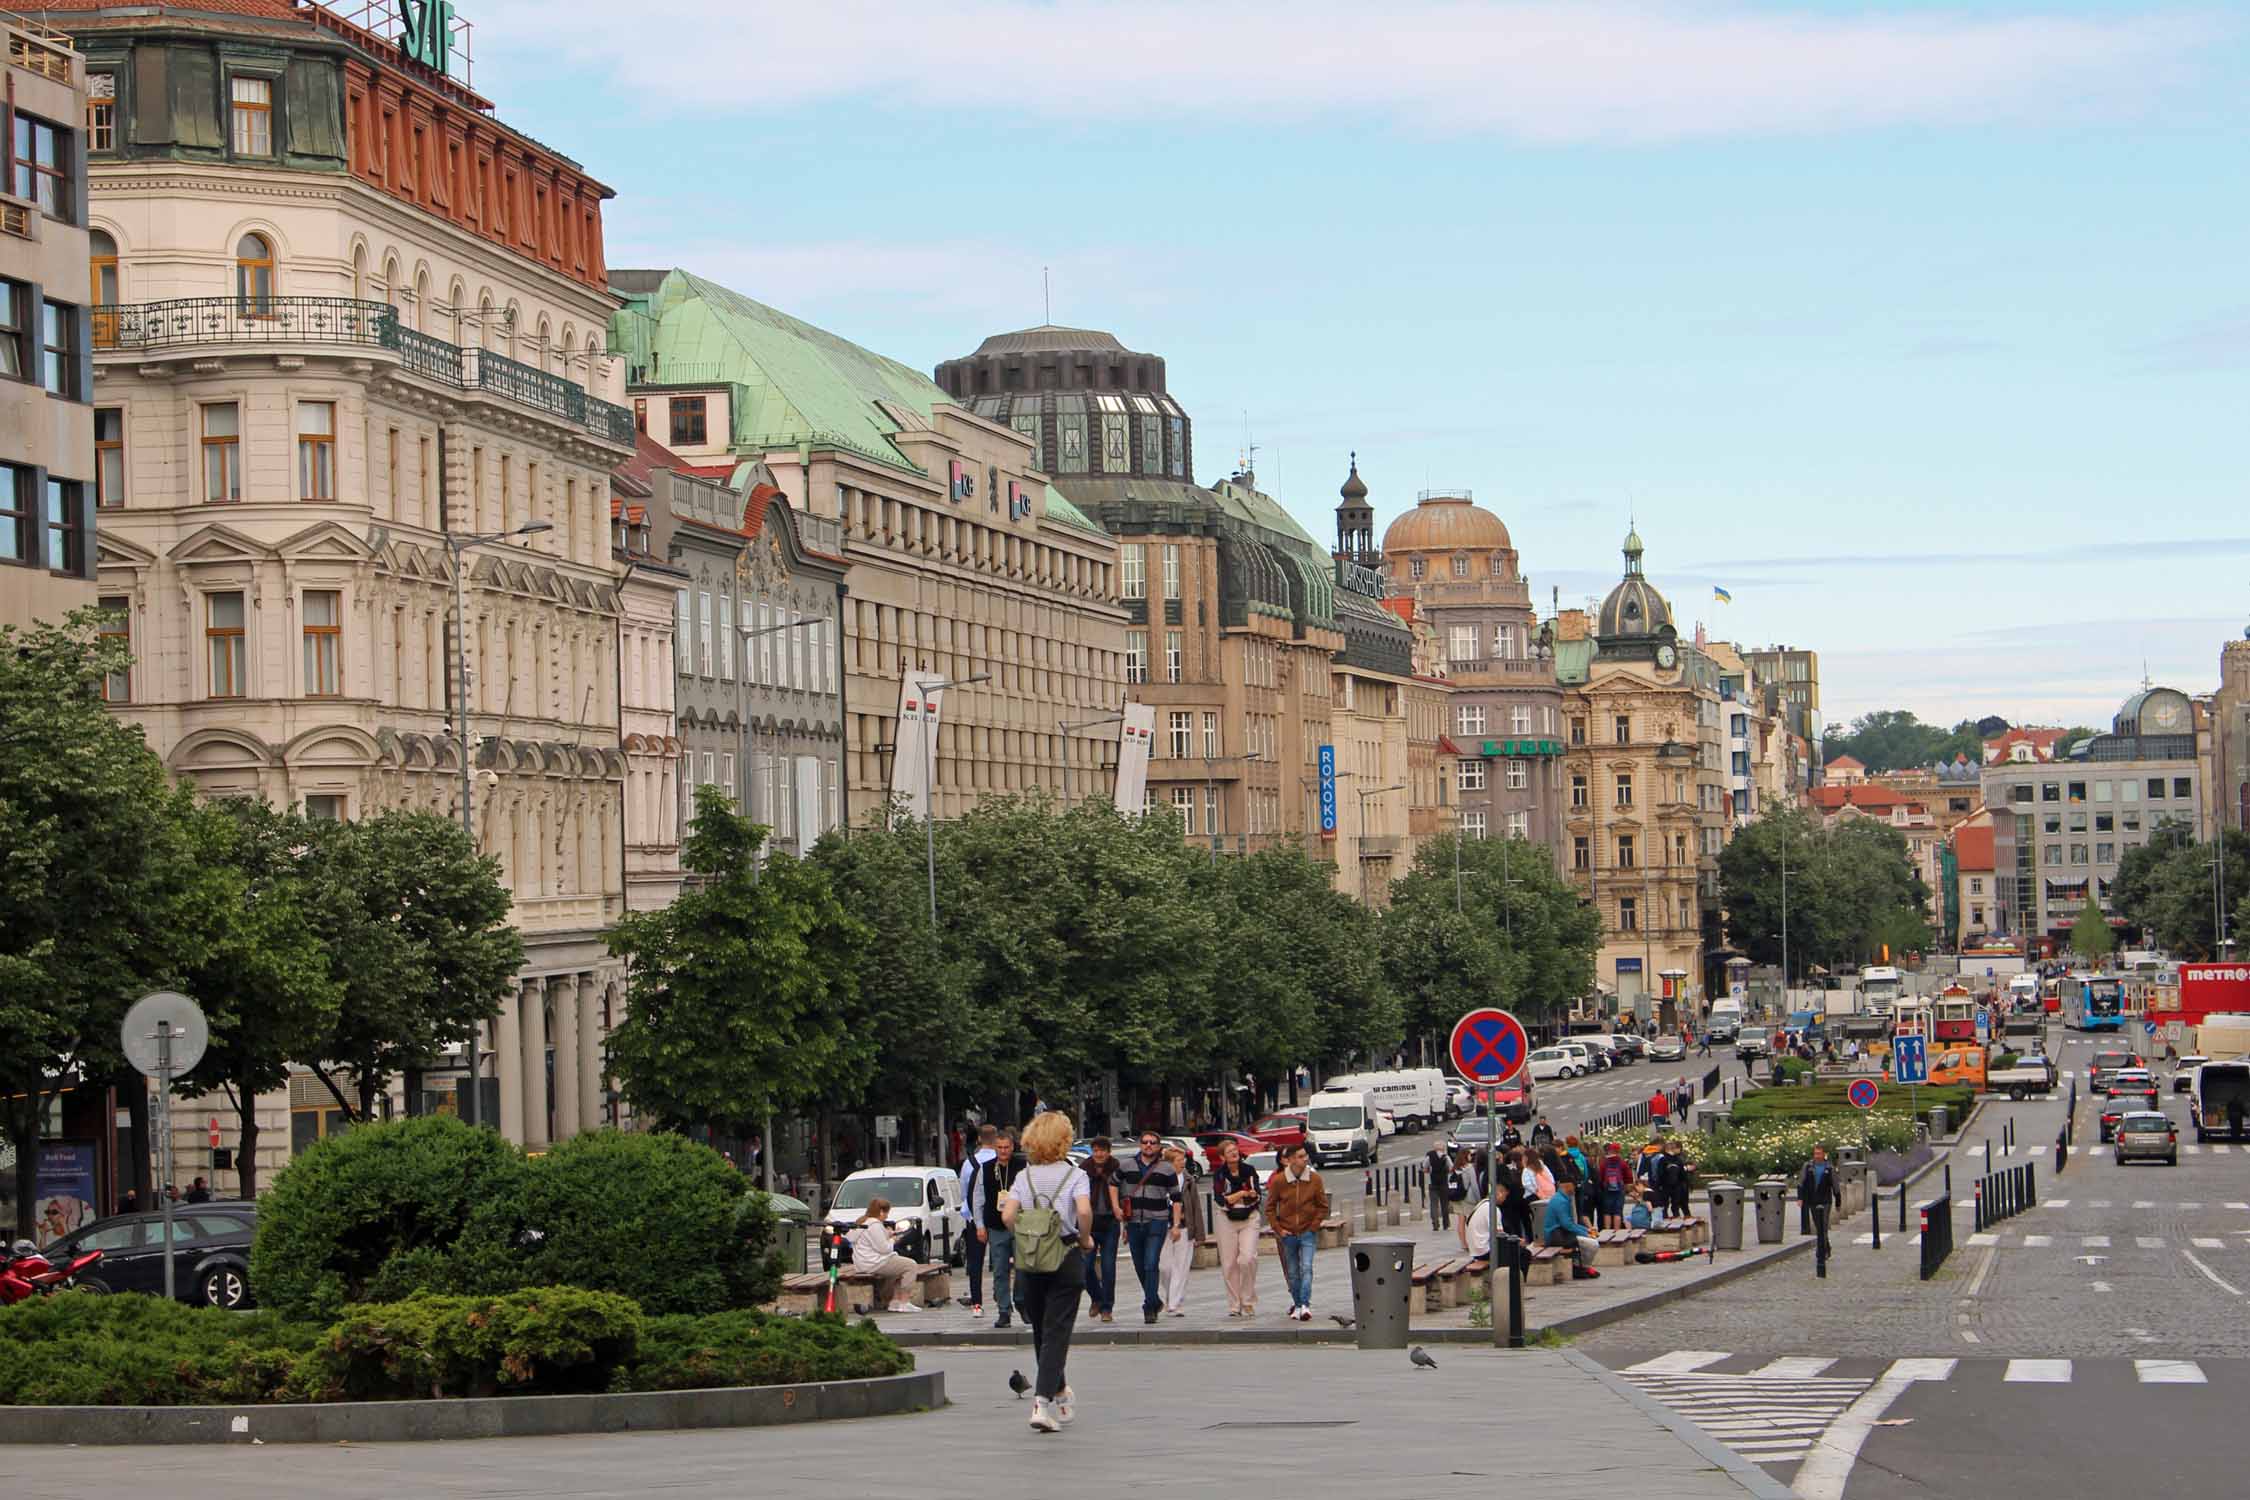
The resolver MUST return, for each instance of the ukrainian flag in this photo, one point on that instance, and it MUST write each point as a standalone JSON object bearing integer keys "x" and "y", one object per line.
{"x": 1721, "y": 595}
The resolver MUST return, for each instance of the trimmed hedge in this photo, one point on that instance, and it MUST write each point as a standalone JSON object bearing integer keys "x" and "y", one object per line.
{"x": 1828, "y": 1099}
{"x": 87, "y": 1350}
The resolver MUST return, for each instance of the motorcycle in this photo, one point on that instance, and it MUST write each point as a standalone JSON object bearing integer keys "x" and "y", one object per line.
{"x": 27, "y": 1273}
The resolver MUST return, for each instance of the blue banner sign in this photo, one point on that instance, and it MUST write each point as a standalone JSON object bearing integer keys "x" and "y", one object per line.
{"x": 1328, "y": 789}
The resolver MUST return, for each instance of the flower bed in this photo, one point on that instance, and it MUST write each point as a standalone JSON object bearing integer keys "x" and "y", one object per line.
{"x": 1777, "y": 1148}
{"x": 129, "y": 1350}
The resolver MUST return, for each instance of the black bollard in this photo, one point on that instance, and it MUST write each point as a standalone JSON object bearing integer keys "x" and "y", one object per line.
{"x": 1515, "y": 1293}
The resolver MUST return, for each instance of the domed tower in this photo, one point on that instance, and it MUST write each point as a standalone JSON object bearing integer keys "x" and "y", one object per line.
{"x": 1355, "y": 522}
{"x": 1635, "y": 621}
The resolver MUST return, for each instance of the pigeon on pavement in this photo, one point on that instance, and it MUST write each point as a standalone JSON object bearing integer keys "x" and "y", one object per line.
{"x": 1340, "y": 1320}
{"x": 1421, "y": 1357}
{"x": 1017, "y": 1383}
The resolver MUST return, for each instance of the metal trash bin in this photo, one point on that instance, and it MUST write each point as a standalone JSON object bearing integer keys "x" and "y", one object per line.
{"x": 1851, "y": 1154}
{"x": 793, "y": 1233}
{"x": 1851, "y": 1188}
{"x": 1773, "y": 1195}
{"x": 1382, "y": 1288}
{"x": 1940, "y": 1121}
{"x": 1726, "y": 1215}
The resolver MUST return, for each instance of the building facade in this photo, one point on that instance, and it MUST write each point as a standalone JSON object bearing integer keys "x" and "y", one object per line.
{"x": 2230, "y": 738}
{"x": 51, "y": 489}
{"x": 648, "y": 585}
{"x": 1645, "y": 814}
{"x": 1455, "y": 562}
{"x": 350, "y": 323}
{"x": 1795, "y": 676}
{"x": 2061, "y": 827}
{"x": 962, "y": 559}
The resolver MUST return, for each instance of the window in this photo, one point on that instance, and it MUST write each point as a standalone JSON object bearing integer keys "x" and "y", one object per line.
{"x": 2020, "y": 793}
{"x": 15, "y": 305}
{"x": 2105, "y": 822}
{"x": 316, "y": 450}
{"x": 1625, "y": 860}
{"x": 253, "y": 274}
{"x": 1578, "y": 731}
{"x": 683, "y": 637}
{"x": 1133, "y": 569}
{"x": 2183, "y": 788}
{"x": 222, "y": 434}
{"x": 1211, "y": 810}
{"x": 1172, "y": 572}
{"x": 2101, "y": 791}
{"x": 689, "y": 429}
{"x": 1460, "y": 567}
{"x": 2051, "y": 823}
{"x": 1577, "y": 789}
{"x": 2050, "y": 791}
{"x": 58, "y": 338}
{"x": 2156, "y": 789}
{"x": 1462, "y": 646}
{"x": 66, "y": 526}
{"x": 1519, "y": 719}
{"x": 1417, "y": 567}
{"x": 323, "y": 643}
{"x": 1171, "y": 656}
{"x": 726, "y": 638}
{"x": 1136, "y": 656}
{"x": 1624, "y": 727}
{"x": 1504, "y": 641}
{"x": 324, "y": 807}
{"x": 703, "y": 641}
{"x": 1624, "y": 789}
{"x": 1519, "y": 825}
{"x": 2105, "y": 854}
{"x": 1679, "y": 848}
{"x": 1628, "y": 914}
{"x": 2132, "y": 817}
{"x": 2078, "y": 854}
{"x": 1183, "y": 805}
{"x": 1468, "y": 718}
{"x": 1472, "y": 776}
{"x": 117, "y": 628}
{"x": 1581, "y": 852}
{"x": 1472, "y": 825}
{"x": 1182, "y": 734}
{"x": 1211, "y": 746}
{"x": 101, "y": 111}
{"x": 42, "y": 161}
{"x": 1519, "y": 775}
{"x": 2078, "y": 791}
{"x": 109, "y": 456}
{"x": 253, "y": 116}
{"x": 223, "y": 642}
{"x": 726, "y": 782}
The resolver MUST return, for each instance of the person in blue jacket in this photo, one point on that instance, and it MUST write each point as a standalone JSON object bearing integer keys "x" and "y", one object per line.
{"x": 1562, "y": 1230}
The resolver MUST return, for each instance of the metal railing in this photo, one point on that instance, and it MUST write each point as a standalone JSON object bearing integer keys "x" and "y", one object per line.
{"x": 434, "y": 358}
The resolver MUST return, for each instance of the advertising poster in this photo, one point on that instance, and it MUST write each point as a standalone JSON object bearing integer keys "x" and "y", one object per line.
{"x": 65, "y": 1188}
{"x": 1136, "y": 738}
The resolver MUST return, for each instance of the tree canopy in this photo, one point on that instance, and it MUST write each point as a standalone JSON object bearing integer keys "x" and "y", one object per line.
{"x": 1892, "y": 739}
{"x": 2168, "y": 888}
{"x": 1851, "y": 891}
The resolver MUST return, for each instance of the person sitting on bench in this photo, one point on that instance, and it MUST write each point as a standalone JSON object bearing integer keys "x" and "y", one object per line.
{"x": 1562, "y": 1230}
{"x": 872, "y": 1253}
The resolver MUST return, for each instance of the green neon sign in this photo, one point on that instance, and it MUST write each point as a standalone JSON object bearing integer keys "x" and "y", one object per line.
{"x": 427, "y": 34}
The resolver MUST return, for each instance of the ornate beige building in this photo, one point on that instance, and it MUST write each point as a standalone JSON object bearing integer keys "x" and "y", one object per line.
{"x": 1645, "y": 815}
{"x": 350, "y": 317}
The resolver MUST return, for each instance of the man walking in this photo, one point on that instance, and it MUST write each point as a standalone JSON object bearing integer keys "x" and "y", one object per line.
{"x": 1296, "y": 1207}
{"x": 1101, "y": 1255}
{"x": 1437, "y": 1173}
{"x": 1148, "y": 1197}
{"x": 1816, "y": 1190}
{"x": 972, "y": 1214}
{"x": 999, "y": 1240}
{"x": 1542, "y": 1135}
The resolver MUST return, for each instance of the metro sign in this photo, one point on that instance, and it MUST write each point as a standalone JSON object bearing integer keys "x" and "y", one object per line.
{"x": 426, "y": 32}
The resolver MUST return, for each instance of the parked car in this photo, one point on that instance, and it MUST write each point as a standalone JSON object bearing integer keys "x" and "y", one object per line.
{"x": 1557, "y": 1062}
{"x": 921, "y": 1198}
{"x": 1751, "y": 1041}
{"x": 1582, "y": 1057}
{"x": 1284, "y": 1127}
{"x": 1667, "y": 1049}
{"x": 210, "y": 1253}
{"x": 1210, "y": 1142}
{"x": 2145, "y": 1135}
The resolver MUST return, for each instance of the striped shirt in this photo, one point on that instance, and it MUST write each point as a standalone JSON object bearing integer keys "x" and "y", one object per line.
{"x": 1149, "y": 1188}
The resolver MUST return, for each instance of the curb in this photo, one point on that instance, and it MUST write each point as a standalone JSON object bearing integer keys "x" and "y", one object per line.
{"x": 1713, "y": 1452}
{"x": 481, "y": 1417}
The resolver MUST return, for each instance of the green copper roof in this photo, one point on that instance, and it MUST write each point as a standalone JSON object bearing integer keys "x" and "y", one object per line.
{"x": 1063, "y": 513}
{"x": 1246, "y": 503}
{"x": 1574, "y": 660}
{"x": 794, "y": 382}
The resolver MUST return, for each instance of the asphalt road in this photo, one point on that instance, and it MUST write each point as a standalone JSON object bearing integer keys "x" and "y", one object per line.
{"x": 2060, "y": 1351}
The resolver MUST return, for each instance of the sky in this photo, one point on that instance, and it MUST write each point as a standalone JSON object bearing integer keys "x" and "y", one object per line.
{"x": 1920, "y": 328}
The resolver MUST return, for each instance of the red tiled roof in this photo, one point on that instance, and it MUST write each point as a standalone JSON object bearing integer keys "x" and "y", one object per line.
{"x": 1446, "y": 746}
{"x": 649, "y": 455}
{"x": 1846, "y": 763}
{"x": 721, "y": 472}
{"x": 1863, "y": 795}
{"x": 280, "y": 10}
{"x": 1972, "y": 846}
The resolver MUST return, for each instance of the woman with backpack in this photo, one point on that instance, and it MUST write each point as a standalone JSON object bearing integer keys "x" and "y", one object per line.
{"x": 1049, "y": 1207}
{"x": 1613, "y": 1176}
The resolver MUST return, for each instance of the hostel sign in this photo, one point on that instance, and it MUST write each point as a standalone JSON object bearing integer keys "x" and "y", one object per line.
{"x": 426, "y": 32}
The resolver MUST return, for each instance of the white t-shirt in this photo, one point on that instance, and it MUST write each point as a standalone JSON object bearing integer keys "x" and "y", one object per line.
{"x": 1060, "y": 1185}
{"x": 1477, "y": 1221}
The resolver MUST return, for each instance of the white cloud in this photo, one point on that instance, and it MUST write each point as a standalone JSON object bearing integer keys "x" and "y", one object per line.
{"x": 1651, "y": 71}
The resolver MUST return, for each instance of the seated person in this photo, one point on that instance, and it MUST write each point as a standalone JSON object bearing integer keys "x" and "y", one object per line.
{"x": 1563, "y": 1231}
{"x": 872, "y": 1252}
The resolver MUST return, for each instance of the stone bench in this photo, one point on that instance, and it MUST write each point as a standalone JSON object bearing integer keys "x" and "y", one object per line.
{"x": 928, "y": 1285}
{"x": 1616, "y": 1247}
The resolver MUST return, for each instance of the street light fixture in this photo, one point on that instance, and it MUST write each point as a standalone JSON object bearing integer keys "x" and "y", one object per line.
{"x": 1070, "y": 727}
{"x": 457, "y": 543}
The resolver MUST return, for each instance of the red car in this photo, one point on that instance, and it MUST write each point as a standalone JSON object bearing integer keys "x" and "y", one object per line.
{"x": 1280, "y": 1131}
{"x": 1212, "y": 1140}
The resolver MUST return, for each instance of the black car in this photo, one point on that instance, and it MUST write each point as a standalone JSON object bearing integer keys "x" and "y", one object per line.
{"x": 210, "y": 1253}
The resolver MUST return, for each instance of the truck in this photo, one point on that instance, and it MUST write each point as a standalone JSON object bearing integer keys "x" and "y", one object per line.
{"x": 1880, "y": 987}
{"x": 2030, "y": 1075}
{"x": 1415, "y": 1097}
{"x": 2219, "y": 1085}
{"x": 1725, "y": 1019}
{"x": 2225, "y": 1035}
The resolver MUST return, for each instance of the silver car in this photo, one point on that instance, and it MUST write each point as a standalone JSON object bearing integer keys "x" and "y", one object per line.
{"x": 1666, "y": 1049}
{"x": 2145, "y": 1135}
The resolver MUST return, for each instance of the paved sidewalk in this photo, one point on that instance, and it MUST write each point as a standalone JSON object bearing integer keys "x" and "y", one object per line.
{"x": 1310, "y": 1423}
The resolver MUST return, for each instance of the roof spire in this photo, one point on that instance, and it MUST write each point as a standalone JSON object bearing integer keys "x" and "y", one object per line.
{"x": 1355, "y": 488}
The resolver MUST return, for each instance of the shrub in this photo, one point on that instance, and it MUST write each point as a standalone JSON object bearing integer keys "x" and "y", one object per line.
{"x": 1776, "y": 1148}
{"x": 659, "y": 1218}
{"x": 747, "y": 1347}
{"x": 386, "y": 1210}
{"x": 84, "y": 1350}
{"x": 1791, "y": 1070}
{"x": 538, "y": 1341}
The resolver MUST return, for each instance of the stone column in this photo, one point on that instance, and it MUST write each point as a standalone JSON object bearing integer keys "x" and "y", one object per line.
{"x": 507, "y": 1066}
{"x": 590, "y": 1039}
{"x": 533, "y": 999}
{"x": 564, "y": 998}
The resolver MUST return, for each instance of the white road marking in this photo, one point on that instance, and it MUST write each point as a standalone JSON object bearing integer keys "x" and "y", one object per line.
{"x": 2221, "y": 1150}
{"x": 2192, "y": 1150}
{"x": 2038, "y": 1372}
{"x": 2094, "y": 1241}
{"x": 1969, "y": 1338}
{"x": 2149, "y": 1241}
{"x": 1984, "y": 1239}
{"x": 1678, "y": 1362}
{"x": 1796, "y": 1367}
{"x": 2099, "y": 1286}
{"x": 2099, "y": 1203}
{"x": 1829, "y": 1465}
{"x": 2203, "y": 1242}
{"x": 2207, "y": 1271}
{"x": 2142, "y": 1203}
{"x": 2168, "y": 1372}
{"x": 2243, "y": 1208}
{"x": 2065, "y": 1203}
{"x": 2037, "y": 1241}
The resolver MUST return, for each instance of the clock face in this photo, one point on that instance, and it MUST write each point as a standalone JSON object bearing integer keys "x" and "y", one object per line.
{"x": 2165, "y": 713}
{"x": 1665, "y": 656}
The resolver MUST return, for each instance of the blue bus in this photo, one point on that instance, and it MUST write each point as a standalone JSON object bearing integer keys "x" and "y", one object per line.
{"x": 2093, "y": 1002}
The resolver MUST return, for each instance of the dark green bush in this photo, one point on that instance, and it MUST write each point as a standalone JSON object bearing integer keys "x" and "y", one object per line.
{"x": 660, "y": 1218}
{"x": 386, "y": 1210}
{"x": 539, "y": 1341}
{"x": 747, "y": 1347}
{"x": 1791, "y": 1069}
{"x": 83, "y": 1350}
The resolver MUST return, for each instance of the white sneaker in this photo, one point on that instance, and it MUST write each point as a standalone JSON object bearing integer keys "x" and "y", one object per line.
{"x": 1063, "y": 1409}
{"x": 1043, "y": 1417}
{"x": 904, "y": 1307}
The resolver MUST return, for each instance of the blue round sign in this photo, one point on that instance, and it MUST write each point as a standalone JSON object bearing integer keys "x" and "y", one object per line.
{"x": 1863, "y": 1093}
{"x": 1489, "y": 1046}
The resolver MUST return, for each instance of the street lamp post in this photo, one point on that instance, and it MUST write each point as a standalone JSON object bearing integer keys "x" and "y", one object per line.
{"x": 1070, "y": 727}
{"x": 1373, "y": 791}
{"x": 929, "y": 840}
{"x": 457, "y": 543}
{"x": 1785, "y": 932}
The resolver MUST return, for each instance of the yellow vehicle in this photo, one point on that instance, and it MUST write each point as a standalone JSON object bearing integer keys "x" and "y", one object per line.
{"x": 1957, "y": 1062}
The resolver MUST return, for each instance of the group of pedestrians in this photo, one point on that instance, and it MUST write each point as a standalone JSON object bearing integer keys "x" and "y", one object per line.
{"x": 1547, "y": 1193}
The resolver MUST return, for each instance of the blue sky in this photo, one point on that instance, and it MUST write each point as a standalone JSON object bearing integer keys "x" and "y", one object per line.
{"x": 1922, "y": 328}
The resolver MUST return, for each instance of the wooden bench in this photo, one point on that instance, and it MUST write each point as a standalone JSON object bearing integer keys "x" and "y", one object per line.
{"x": 1549, "y": 1266}
{"x": 802, "y": 1293}
{"x": 1667, "y": 1234}
{"x": 1429, "y": 1293}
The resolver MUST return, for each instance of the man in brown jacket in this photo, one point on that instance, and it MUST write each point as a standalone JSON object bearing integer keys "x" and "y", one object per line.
{"x": 1296, "y": 1207}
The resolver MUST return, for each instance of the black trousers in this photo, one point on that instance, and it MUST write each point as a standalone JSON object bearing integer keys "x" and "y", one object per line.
{"x": 972, "y": 1255}
{"x": 1820, "y": 1229}
{"x": 1048, "y": 1301}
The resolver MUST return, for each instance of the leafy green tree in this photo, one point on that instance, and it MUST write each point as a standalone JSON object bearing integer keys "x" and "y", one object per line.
{"x": 98, "y": 878}
{"x": 1297, "y": 970}
{"x": 1894, "y": 739}
{"x": 415, "y": 922}
{"x": 741, "y": 991}
{"x": 2090, "y": 936}
{"x": 263, "y": 974}
{"x": 2131, "y": 892}
{"x": 2174, "y": 896}
{"x": 1851, "y": 889}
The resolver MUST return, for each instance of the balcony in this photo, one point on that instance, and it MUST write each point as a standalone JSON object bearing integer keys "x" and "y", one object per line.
{"x": 350, "y": 322}
{"x": 1500, "y": 666}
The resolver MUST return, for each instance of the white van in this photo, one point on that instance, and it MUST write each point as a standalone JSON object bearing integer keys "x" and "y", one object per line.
{"x": 925, "y": 1198}
{"x": 1725, "y": 1019}
{"x": 1415, "y": 1097}
{"x": 1340, "y": 1126}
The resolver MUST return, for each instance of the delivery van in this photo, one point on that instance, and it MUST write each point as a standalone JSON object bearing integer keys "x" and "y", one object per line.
{"x": 1340, "y": 1127}
{"x": 1416, "y": 1097}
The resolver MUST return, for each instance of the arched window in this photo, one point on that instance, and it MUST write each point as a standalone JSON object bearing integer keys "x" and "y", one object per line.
{"x": 393, "y": 291}
{"x": 359, "y": 273}
{"x": 454, "y": 299}
{"x": 422, "y": 299}
{"x": 253, "y": 273}
{"x": 484, "y": 321}
{"x": 101, "y": 256}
